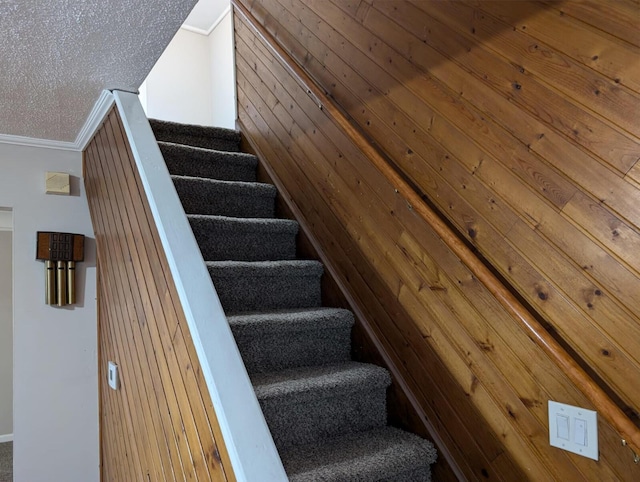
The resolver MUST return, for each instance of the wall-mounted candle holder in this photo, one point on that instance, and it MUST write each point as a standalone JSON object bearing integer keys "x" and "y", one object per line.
{"x": 60, "y": 253}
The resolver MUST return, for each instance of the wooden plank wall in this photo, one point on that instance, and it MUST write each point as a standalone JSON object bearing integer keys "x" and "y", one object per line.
{"x": 160, "y": 425}
{"x": 519, "y": 122}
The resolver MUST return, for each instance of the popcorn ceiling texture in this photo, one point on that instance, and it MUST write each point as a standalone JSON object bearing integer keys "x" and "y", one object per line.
{"x": 58, "y": 56}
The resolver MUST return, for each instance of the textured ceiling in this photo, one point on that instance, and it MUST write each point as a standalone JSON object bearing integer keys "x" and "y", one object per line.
{"x": 58, "y": 56}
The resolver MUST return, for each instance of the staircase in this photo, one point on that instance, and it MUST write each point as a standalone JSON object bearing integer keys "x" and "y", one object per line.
{"x": 326, "y": 413}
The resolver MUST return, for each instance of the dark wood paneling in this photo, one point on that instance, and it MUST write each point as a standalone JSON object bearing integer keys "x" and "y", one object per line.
{"x": 524, "y": 165}
{"x": 160, "y": 423}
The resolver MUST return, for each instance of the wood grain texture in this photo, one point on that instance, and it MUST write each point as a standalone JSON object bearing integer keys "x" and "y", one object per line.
{"x": 476, "y": 151}
{"x": 160, "y": 423}
{"x": 403, "y": 409}
{"x": 619, "y": 19}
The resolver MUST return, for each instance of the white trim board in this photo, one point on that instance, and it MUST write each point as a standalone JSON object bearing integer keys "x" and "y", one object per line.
{"x": 6, "y": 438}
{"x": 97, "y": 114}
{"x": 247, "y": 438}
{"x": 6, "y": 220}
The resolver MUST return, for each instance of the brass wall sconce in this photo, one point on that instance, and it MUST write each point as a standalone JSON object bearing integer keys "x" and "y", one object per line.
{"x": 60, "y": 253}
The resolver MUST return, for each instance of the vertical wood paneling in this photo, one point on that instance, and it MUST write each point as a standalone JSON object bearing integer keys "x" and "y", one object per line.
{"x": 160, "y": 424}
{"x": 494, "y": 123}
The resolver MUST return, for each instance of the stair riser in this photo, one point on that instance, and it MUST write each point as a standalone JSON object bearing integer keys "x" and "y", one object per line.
{"x": 217, "y": 144}
{"x": 218, "y": 139}
{"x": 246, "y": 293}
{"x": 209, "y": 200}
{"x": 282, "y": 349}
{"x": 184, "y": 163}
{"x": 293, "y": 421}
{"x": 420, "y": 474}
{"x": 379, "y": 455}
{"x": 244, "y": 246}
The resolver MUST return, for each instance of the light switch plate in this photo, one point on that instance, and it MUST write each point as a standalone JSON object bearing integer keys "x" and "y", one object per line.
{"x": 57, "y": 183}
{"x": 113, "y": 375}
{"x": 581, "y": 435}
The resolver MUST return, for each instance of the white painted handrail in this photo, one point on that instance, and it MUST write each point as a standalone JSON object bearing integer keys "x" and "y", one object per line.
{"x": 253, "y": 454}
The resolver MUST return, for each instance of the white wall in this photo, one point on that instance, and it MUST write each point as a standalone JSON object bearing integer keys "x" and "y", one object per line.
{"x": 193, "y": 81}
{"x": 178, "y": 88}
{"x": 222, "y": 73}
{"x": 55, "y": 399}
{"x": 6, "y": 336}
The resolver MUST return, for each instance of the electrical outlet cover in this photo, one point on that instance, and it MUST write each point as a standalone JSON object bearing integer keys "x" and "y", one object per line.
{"x": 573, "y": 429}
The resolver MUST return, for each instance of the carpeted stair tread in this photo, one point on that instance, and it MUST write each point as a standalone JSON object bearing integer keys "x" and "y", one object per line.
{"x": 6, "y": 461}
{"x": 266, "y": 285}
{"x": 197, "y": 136}
{"x": 208, "y": 163}
{"x": 307, "y": 381}
{"x": 311, "y": 404}
{"x": 269, "y": 269}
{"x": 244, "y": 239}
{"x": 386, "y": 454}
{"x": 225, "y": 198}
{"x": 262, "y": 323}
{"x": 280, "y": 340}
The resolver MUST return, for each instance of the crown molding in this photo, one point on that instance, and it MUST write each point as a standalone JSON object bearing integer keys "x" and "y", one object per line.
{"x": 34, "y": 142}
{"x": 91, "y": 125}
{"x": 207, "y": 32}
{"x": 197, "y": 30}
{"x": 96, "y": 116}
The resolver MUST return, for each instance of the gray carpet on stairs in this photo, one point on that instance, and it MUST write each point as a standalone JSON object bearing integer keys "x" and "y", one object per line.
{"x": 278, "y": 340}
{"x": 225, "y": 198}
{"x": 326, "y": 413}
{"x": 196, "y": 136}
{"x": 266, "y": 285}
{"x": 6, "y": 462}
{"x": 383, "y": 454}
{"x": 244, "y": 239}
{"x": 314, "y": 404}
{"x": 207, "y": 163}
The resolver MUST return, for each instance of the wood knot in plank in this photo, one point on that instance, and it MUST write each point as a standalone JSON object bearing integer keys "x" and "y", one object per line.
{"x": 527, "y": 402}
{"x": 486, "y": 345}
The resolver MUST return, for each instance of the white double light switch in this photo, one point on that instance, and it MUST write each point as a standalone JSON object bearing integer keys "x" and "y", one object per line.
{"x": 573, "y": 429}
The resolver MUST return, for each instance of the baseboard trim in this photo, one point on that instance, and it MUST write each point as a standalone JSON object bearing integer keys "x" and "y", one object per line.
{"x": 6, "y": 438}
